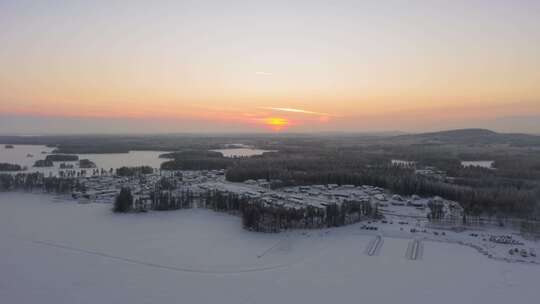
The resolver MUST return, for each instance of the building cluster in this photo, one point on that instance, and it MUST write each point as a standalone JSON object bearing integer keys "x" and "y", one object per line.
{"x": 504, "y": 239}
{"x": 176, "y": 183}
{"x": 322, "y": 204}
{"x": 433, "y": 173}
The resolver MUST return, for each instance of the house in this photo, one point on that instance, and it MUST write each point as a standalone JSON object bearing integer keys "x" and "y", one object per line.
{"x": 380, "y": 197}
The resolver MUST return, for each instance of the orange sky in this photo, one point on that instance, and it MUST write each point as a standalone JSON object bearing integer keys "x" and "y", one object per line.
{"x": 259, "y": 66}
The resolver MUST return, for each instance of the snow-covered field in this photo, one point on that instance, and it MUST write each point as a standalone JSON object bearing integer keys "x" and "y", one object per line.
{"x": 57, "y": 251}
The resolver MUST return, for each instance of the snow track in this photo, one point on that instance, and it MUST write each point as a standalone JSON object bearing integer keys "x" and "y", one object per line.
{"x": 168, "y": 267}
{"x": 374, "y": 246}
{"x": 273, "y": 247}
{"x": 415, "y": 250}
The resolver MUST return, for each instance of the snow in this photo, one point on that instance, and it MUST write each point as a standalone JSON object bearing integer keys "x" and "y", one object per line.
{"x": 400, "y": 162}
{"x": 56, "y": 251}
{"x": 478, "y": 163}
{"x": 241, "y": 152}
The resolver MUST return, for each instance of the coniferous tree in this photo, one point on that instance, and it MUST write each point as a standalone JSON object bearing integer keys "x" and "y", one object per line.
{"x": 124, "y": 201}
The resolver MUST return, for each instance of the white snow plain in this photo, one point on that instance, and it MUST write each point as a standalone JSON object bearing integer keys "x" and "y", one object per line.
{"x": 57, "y": 251}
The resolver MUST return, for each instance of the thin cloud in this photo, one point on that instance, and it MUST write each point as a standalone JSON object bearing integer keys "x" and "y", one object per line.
{"x": 292, "y": 110}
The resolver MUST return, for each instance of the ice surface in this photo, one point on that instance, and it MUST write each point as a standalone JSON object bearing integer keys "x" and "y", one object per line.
{"x": 57, "y": 251}
{"x": 20, "y": 155}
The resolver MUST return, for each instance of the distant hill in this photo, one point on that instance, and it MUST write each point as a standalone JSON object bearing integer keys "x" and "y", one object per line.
{"x": 474, "y": 136}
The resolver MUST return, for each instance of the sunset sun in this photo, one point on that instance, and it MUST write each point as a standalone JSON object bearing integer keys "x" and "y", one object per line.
{"x": 277, "y": 123}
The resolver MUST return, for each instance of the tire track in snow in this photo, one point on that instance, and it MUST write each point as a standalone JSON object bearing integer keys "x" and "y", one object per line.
{"x": 415, "y": 250}
{"x": 168, "y": 267}
{"x": 278, "y": 243}
{"x": 374, "y": 246}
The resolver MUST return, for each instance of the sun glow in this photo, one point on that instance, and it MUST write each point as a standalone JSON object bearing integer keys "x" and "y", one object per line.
{"x": 277, "y": 123}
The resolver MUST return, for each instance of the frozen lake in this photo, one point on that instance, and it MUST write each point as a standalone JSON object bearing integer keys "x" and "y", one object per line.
{"x": 26, "y": 155}
{"x": 405, "y": 163}
{"x": 56, "y": 251}
{"x": 20, "y": 155}
{"x": 241, "y": 152}
{"x": 478, "y": 163}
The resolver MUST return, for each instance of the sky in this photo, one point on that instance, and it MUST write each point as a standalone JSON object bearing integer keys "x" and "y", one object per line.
{"x": 268, "y": 66}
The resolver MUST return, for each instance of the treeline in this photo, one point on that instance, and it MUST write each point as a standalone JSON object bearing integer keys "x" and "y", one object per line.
{"x": 43, "y": 163}
{"x": 38, "y": 182}
{"x": 509, "y": 162}
{"x": 10, "y": 167}
{"x": 124, "y": 144}
{"x": 196, "y": 160}
{"x": 197, "y": 164}
{"x": 521, "y": 167}
{"x": 61, "y": 157}
{"x": 71, "y": 144}
{"x": 162, "y": 200}
{"x": 256, "y": 214}
{"x": 134, "y": 171}
{"x": 191, "y": 154}
{"x": 260, "y": 216}
{"x": 163, "y": 197}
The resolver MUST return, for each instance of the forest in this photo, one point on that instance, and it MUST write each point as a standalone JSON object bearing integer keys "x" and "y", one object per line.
{"x": 195, "y": 160}
{"x": 39, "y": 182}
{"x": 133, "y": 171}
{"x": 43, "y": 163}
{"x": 511, "y": 188}
{"x": 479, "y": 190}
{"x": 256, "y": 214}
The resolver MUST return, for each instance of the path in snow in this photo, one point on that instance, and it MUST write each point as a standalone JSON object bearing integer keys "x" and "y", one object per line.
{"x": 415, "y": 250}
{"x": 374, "y": 246}
{"x": 156, "y": 265}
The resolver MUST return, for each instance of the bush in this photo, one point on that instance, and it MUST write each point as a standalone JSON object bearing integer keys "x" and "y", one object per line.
{"x": 124, "y": 201}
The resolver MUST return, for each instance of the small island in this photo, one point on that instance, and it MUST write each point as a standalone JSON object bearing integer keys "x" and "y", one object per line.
{"x": 195, "y": 160}
{"x": 62, "y": 157}
{"x": 43, "y": 163}
{"x": 86, "y": 163}
{"x": 10, "y": 167}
